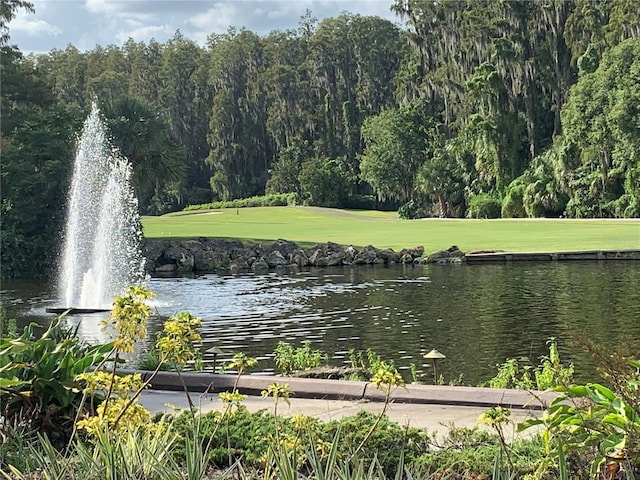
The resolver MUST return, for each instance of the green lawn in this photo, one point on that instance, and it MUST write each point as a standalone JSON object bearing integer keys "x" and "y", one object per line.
{"x": 308, "y": 226}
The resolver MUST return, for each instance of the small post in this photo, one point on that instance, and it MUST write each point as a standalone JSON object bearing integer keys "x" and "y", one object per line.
{"x": 215, "y": 351}
{"x": 435, "y": 356}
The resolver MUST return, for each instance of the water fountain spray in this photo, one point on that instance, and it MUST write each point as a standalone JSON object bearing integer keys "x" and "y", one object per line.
{"x": 102, "y": 242}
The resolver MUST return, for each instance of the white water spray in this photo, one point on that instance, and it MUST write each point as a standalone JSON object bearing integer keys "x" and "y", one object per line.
{"x": 102, "y": 254}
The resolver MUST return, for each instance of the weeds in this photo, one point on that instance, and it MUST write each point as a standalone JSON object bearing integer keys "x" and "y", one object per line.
{"x": 290, "y": 360}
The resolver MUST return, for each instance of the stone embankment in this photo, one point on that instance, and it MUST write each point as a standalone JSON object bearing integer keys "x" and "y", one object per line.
{"x": 169, "y": 257}
{"x": 215, "y": 255}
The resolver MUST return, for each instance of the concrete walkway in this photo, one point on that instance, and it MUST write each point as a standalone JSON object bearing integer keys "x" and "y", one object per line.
{"x": 435, "y": 408}
{"x": 438, "y": 419}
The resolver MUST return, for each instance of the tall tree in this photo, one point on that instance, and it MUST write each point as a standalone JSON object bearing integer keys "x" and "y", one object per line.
{"x": 142, "y": 135}
{"x": 397, "y": 143}
{"x": 600, "y": 148}
{"x": 239, "y": 156}
{"x": 8, "y": 11}
{"x": 185, "y": 101}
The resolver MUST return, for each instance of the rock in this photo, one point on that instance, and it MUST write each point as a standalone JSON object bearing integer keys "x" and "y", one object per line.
{"x": 416, "y": 252}
{"x": 216, "y": 255}
{"x": 351, "y": 252}
{"x": 299, "y": 258}
{"x": 239, "y": 265}
{"x": 388, "y": 255}
{"x": 183, "y": 258}
{"x": 284, "y": 247}
{"x": 451, "y": 255}
{"x": 337, "y": 258}
{"x": 212, "y": 261}
{"x": 318, "y": 258}
{"x": 406, "y": 258}
{"x": 275, "y": 259}
{"x": 260, "y": 266}
{"x": 366, "y": 256}
{"x": 166, "y": 268}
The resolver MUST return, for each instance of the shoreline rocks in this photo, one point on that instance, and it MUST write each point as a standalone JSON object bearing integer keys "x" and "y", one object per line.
{"x": 212, "y": 255}
{"x": 232, "y": 256}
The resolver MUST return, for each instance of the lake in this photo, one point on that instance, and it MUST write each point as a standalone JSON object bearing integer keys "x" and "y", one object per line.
{"x": 477, "y": 315}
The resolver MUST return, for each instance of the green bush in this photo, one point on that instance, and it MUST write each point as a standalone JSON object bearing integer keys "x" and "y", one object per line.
{"x": 550, "y": 373}
{"x": 410, "y": 210}
{"x": 484, "y": 205}
{"x": 512, "y": 203}
{"x": 388, "y": 442}
{"x": 37, "y": 375}
{"x": 360, "y": 202}
{"x": 472, "y": 453}
{"x": 273, "y": 200}
{"x": 249, "y": 435}
{"x": 290, "y": 360}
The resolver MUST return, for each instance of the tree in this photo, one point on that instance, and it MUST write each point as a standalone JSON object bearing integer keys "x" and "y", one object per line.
{"x": 323, "y": 183}
{"x": 396, "y": 144}
{"x": 599, "y": 151}
{"x": 37, "y": 161}
{"x": 285, "y": 173}
{"x": 8, "y": 9}
{"x": 240, "y": 155}
{"x": 142, "y": 135}
{"x": 184, "y": 100}
{"x": 442, "y": 179}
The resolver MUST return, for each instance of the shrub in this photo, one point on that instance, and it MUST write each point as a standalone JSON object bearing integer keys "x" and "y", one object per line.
{"x": 272, "y": 200}
{"x": 597, "y": 426}
{"x": 290, "y": 360}
{"x": 38, "y": 375}
{"x": 410, "y": 211}
{"x": 483, "y": 205}
{"x": 248, "y": 435}
{"x": 369, "y": 361}
{"x": 387, "y": 442}
{"x": 549, "y": 374}
{"x": 512, "y": 203}
{"x": 360, "y": 202}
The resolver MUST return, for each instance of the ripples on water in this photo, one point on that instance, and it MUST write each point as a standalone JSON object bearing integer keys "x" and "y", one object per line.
{"x": 476, "y": 315}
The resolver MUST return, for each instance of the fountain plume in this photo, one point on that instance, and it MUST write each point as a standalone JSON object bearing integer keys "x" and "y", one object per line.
{"x": 102, "y": 252}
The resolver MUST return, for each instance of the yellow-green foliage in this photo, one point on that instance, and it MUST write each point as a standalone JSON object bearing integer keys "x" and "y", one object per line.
{"x": 178, "y": 339}
{"x": 120, "y": 410}
{"x": 128, "y": 320}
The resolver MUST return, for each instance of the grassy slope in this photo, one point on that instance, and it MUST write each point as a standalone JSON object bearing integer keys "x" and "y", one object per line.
{"x": 308, "y": 226}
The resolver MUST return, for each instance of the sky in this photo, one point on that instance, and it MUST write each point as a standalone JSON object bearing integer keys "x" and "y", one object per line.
{"x": 87, "y": 23}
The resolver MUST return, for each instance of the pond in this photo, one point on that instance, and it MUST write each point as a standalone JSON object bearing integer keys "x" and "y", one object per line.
{"x": 477, "y": 315}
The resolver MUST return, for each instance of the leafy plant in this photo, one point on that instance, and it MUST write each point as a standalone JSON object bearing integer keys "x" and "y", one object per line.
{"x": 8, "y": 326}
{"x": 595, "y": 421}
{"x": 484, "y": 206}
{"x": 369, "y": 361}
{"x": 548, "y": 374}
{"x": 38, "y": 375}
{"x": 410, "y": 210}
{"x": 290, "y": 360}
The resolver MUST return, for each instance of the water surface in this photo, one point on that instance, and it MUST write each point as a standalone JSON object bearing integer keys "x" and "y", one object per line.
{"x": 477, "y": 315}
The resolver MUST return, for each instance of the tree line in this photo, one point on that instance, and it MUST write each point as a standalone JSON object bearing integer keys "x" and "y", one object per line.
{"x": 471, "y": 108}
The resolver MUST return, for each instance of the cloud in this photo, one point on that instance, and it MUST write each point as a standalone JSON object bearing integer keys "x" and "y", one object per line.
{"x": 259, "y": 16}
{"x": 144, "y": 8}
{"x": 87, "y": 23}
{"x": 145, "y": 33}
{"x": 34, "y": 27}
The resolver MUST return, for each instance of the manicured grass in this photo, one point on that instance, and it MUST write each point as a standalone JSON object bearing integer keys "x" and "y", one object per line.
{"x": 307, "y": 226}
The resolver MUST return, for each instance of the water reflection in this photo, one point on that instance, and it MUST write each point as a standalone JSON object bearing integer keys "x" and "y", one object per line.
{"x": 476, "y": 315}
